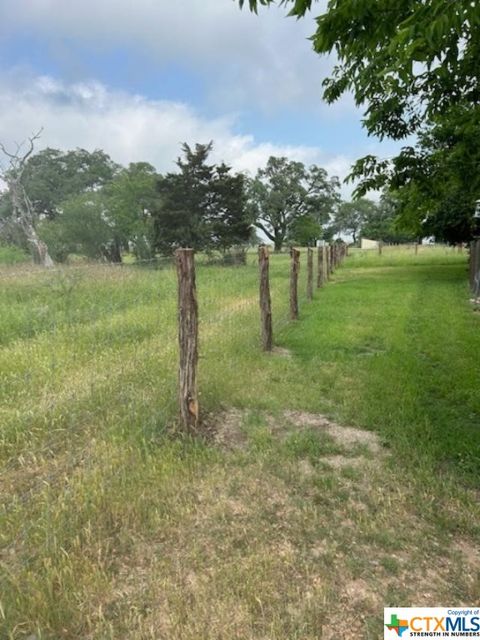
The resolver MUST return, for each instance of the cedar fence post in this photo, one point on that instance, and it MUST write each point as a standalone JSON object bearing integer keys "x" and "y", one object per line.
{"x": 309, "y": 273}
{"x": 320, "y": 271}
{"x": 187, "y": 339}
{"x": 327, "y": 261}
{"x": 475, "y": 268}
{"x": 265, "y": 300}
{"x": 472, "y": 264}
{"x": 294, "y": 270}
{"x": 332, "y": 258}
{"x": 380, "y": 247}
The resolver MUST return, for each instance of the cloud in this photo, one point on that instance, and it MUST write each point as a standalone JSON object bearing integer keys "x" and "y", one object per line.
{"x": 130, "y": 127}
{"x": 244, "y": 60}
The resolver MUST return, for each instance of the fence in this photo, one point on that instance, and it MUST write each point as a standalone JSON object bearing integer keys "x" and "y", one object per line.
{"x": 474, "y": 260}
{"x": 101, "y": 344}
{"x": 272, "y": 315}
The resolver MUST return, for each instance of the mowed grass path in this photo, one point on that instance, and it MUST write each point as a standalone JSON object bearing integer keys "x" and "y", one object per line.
{"x": 113, "y": 527}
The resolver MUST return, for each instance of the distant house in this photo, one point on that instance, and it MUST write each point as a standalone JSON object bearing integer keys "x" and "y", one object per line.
{"x": 369, "y": 244}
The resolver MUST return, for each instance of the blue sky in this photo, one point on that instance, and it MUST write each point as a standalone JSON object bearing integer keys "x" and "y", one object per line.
{"x": 139, "y": 78}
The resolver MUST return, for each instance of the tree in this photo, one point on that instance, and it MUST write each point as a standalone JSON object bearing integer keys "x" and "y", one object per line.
{"x": 22, "y": 214}
{"x": 284, "y": 193}
{"x": 202, "y": 206}
{"x": 53, "y": 176}
{"x": 436, "y": 183}
{"x": 381, "y": 222}
{"x": 84, "y": 227}
{"x": 411, "y": 65}
{"x": 351, "y": 216}
{"x": 130, "y": 198}
{"x": 305, "y": 231}
{"x": 228, "y": 221}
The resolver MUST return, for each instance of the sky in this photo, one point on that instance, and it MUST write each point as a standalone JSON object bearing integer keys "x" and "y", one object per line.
{"x": 137, "y": 78}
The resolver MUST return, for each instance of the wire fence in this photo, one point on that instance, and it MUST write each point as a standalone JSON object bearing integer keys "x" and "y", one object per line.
{"x": 99, "y": 342}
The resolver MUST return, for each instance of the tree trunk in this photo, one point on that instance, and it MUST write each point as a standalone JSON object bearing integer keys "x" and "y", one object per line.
{"x": 24, "y": 218}
{"x": 39, "y": 248}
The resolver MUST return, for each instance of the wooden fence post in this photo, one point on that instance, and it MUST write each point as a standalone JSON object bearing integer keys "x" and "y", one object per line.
{"x": 332, "y": 258}
{"x": 187, "y": 339}
{"x": 320, "y": 269}
{"x": 380, "y": 247}
{"x": 294, "y": 271}
{"x": 327, "y": 261}
{"x": 472, "y": 258}
{"x": 475, "y": 268}
{"x": 309, "y": 273}
{"x": 265, "y": 299}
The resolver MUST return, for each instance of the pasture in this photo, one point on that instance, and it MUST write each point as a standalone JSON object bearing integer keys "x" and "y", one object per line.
{"x": 338, "y": 475}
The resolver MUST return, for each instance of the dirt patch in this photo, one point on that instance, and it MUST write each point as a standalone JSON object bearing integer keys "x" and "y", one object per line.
{"x": 227, "y": 430}
{"x": 281, "y": 351}
{"x": 469, "y": 553}
{"x": 346, "y": 436}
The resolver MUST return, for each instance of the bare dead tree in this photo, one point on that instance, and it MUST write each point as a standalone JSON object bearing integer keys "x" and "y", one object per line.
{"x": 22, "y": 209}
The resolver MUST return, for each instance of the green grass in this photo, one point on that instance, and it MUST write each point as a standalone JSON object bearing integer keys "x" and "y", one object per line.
{"x": 12, "y": 255}
{"x": 113, "y": 527}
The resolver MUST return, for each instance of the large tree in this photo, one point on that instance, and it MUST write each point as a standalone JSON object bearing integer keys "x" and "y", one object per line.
{"x": 351, "y": 216}
{"x": 409, "y": 64}
{"x": 52, "y": 176}
{"x": 381, "y": 222}
{"x": 108, "y": 220}
{"x": 202, "y": 206}
{"x": 130, "y": 199}
{"x": 83, "y": 228}
{"x": 286, "y": 198}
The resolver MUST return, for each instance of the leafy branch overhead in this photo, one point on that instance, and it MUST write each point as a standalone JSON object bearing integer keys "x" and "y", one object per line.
{"x": 414, "y": 68}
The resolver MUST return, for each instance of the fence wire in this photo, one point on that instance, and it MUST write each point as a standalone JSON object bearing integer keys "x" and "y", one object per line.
{"x": 88, "y": 351}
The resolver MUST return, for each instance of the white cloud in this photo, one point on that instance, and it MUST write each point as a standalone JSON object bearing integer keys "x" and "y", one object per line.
{"x": 245, "y": 60}
{"x": 130, "y": 127}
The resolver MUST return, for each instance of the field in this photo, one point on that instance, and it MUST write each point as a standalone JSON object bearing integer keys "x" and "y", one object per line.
{"x": 338, "y": 475}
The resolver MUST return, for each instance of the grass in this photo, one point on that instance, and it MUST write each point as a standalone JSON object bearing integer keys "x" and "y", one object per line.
{"x": 283, "y": 528}
{"x": 10, "y": 255}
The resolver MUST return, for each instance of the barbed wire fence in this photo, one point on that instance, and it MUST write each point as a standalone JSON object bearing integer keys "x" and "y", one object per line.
{"x": 106, "y": 342}
{"x": 78, "y": 342}
{"x": 220, "y": 310}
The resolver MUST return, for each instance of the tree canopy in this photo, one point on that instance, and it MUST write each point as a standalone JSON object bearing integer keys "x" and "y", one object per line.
{"x": 202, "y": 206}
{"x": 290, "y": 201}
{"x": 52, "y": 176}
{"x": 414, "y": 67}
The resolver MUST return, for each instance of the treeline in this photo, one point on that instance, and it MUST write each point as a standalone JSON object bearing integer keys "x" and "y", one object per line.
{"x": 83, "y": 203}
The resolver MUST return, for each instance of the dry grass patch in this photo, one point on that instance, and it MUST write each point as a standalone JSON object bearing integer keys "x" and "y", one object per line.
{"x": 261, "y": 536}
